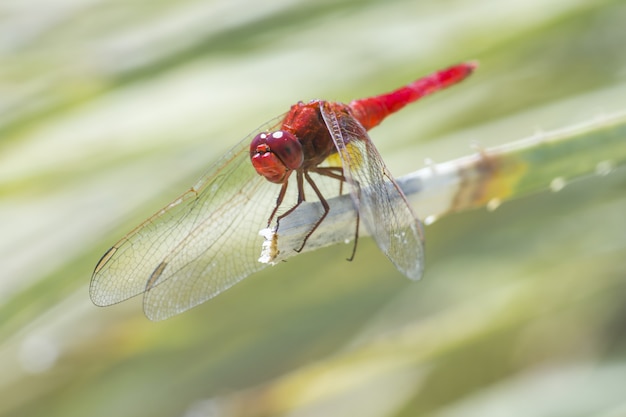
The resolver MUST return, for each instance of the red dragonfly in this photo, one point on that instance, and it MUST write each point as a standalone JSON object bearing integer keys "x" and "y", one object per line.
{"x": 207, "y": 240}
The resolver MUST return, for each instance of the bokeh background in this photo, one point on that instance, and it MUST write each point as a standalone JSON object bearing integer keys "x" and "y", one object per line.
{"x": 109, "y": 109}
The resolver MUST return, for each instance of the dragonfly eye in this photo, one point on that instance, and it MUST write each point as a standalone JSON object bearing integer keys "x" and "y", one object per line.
{"x": 287, "y": 147}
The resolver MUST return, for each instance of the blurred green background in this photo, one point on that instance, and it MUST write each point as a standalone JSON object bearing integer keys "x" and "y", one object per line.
{"x": 109, "y": 109}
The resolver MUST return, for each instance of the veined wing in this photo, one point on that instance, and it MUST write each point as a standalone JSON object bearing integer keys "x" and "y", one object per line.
{"x": 202, "y": 243}
{"x": 382, "y": 206}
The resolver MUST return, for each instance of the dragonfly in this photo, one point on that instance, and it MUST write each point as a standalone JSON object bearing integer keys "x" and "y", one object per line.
{"x": 207, "y": 240}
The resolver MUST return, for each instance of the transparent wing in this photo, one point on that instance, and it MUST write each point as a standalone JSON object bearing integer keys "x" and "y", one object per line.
{"x": 194, "y": 248}
{"x": 382, "y": 206}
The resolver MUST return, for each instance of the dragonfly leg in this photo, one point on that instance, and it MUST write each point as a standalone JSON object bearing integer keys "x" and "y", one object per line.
{"x": 281, "y": 196}
{"x": 324, "y": 205}
{"x": 337, "y": 173}
{"x": 356, "y": 237}
{"x": 332, "y": 172}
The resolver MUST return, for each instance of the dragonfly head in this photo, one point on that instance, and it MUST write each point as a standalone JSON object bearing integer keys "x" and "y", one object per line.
{"x": 275, "y": 155}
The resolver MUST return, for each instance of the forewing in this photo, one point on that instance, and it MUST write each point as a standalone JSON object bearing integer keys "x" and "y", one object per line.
{"x": 196, "y": 247}
{"x": 382, "y": 206}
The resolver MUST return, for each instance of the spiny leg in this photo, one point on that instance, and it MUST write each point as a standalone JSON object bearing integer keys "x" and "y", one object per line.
{"x": 279, "y": 201}
{"x": 324, "y": 205}
{"x": 337, "y": 173}
{"x": 356, "y": 236}
{"x": 301, "y": 198}
{"x": 331, "y": 172}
